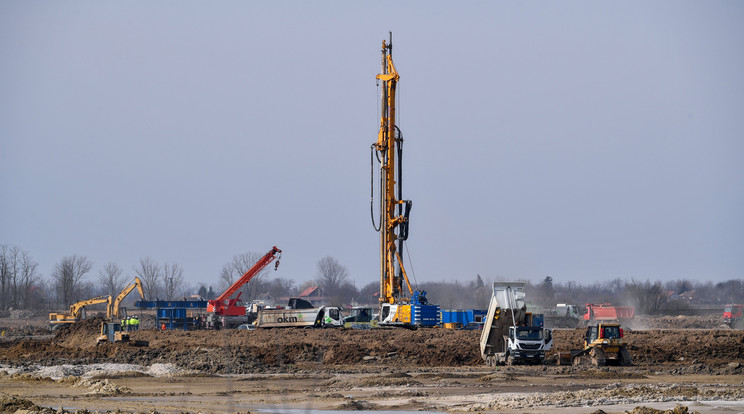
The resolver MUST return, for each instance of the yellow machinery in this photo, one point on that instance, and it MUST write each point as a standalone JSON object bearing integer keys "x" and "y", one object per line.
{"x": 112, "y": 332}
{"x": 113, "y": 309}
{"x": 394, "y": 210}
{"x": 76, "y": 312}
{"x": 603, "y": 344}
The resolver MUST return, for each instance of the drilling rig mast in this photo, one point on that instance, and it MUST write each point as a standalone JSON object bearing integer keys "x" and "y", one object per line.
{"x": 399, "y": 304}
{"x": 394, "y": 210}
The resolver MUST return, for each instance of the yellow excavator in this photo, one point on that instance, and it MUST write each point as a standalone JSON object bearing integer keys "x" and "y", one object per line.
{"x": 111, "y": 329}
{"x": 76, "y": 312}
{"x": 113, "y": 309}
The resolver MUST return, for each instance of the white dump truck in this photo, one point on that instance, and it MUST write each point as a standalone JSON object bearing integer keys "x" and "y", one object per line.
{"x": 300, "y": 313}
{"x": 508, "y": 336}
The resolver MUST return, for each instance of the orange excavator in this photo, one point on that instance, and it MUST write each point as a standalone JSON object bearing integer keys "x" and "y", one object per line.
{"x": 227, "y": 312}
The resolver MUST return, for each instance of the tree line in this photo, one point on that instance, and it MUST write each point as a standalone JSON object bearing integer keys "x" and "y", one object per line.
{"x": 23, "y": 287}
{"x": 72, "y": 280}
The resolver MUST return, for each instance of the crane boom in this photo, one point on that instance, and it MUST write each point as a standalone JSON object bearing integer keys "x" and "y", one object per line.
{"x": 223, "y": 304}
{"x": 394, "y": 210}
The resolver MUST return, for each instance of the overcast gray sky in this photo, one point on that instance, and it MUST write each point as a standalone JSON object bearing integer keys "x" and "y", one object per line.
{"x": 586, "y": 141}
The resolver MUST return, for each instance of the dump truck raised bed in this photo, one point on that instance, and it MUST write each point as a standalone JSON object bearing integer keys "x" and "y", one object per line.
{"x": 604, "y": 312}
{"x": 508, "y": 337}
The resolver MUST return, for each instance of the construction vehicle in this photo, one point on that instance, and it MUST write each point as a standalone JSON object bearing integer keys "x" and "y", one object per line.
{"x": 300, "y": 313}
{"x": 112, "y": 332}
{"x": 76, "y": 312}
{"x": 359, "y": 316}
{"x": 114, "y": 311}
{"x": 603, "y": 345}
{"x": 229, "y": 312}
{"x": 604, "y": 312}
{"x": 509, "y": 336}
{"x": 733, "y": 316}
{"x": 562, "y": 316}
{"x": 396, "y": 306}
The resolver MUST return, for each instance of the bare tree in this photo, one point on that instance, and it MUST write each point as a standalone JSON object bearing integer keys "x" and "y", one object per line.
{"x": 28, "y": 279}
{"x": 150, "y": 274}
{"x": 332, "y": 278}
{"x": 280, "y": 287}
{"x": 369, "y": 294}
{"x": 5, "y": 276}
{"x": 172, "y": 279}
{"x": 234, "y": 270}
{"x": 111, "y": 278}
{"x": 331, "y": 272}
{"x": 68, "y": 274}
{"x": 647, "y": 297}
{"x": 17, "y": 277}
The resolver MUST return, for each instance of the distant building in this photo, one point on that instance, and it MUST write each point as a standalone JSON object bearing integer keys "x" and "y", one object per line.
{"x": 315, "y": 295}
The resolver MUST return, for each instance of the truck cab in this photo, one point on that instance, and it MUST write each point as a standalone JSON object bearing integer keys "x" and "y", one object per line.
{"x": 527, "y": 344}
{"x": 360, "y": 315}
{"x": 733, "y": 316}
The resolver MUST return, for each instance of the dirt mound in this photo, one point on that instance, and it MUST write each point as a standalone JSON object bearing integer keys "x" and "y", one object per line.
{"x": 281, "y": 350}
{"x": 610, "y": 395}
{"x": 716, "y": 348}
{"x": 678, "y": 322}
{"x": 11, "y": 404}
{"x": 80, "y": 334}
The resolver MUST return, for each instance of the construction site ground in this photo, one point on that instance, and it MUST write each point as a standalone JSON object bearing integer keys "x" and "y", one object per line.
{"x": 687, "y": 364}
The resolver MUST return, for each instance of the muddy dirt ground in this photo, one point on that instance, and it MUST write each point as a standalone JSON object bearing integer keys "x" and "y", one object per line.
{"x": 678, "y": 362}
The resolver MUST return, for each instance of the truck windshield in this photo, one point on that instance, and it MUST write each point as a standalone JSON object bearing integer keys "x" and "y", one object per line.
{"x": 530, "y": 334}
{"x": 727, "y": 309}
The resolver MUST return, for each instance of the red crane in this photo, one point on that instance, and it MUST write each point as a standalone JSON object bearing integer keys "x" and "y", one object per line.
{"x": 224, "y": 306}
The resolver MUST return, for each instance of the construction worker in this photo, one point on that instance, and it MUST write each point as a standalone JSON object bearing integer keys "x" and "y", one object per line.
{"x": 163, "y": 327}
{"x": 136, "y": 323}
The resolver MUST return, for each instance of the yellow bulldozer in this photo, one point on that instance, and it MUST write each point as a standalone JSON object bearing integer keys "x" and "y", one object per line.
{"x": 112, "y": 332}
{"x": 603, "y": 345}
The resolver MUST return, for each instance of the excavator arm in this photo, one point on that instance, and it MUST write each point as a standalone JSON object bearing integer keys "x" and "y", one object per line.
{"x": 77, "y": 307}
{"x": 113, "y": 309}
{"x": 217, "y": 305}
{"x": 74, "y": 314}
